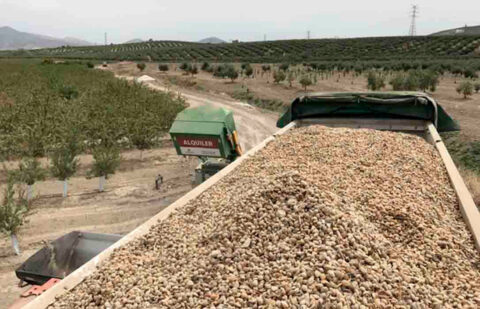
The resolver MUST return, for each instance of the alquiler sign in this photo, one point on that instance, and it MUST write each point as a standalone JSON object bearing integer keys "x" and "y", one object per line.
{"x": 198, "y": 146}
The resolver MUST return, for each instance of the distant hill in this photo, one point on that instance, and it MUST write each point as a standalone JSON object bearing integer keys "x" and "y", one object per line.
{"x": 134, "y": 41}
{"x": 212, "y": 40}
{"x": 76, "y": 42}
{"x": 11, "y": 39}
{"x": 473, "y": 30}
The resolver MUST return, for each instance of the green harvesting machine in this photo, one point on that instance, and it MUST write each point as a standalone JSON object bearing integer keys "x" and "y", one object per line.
{"x": 207, "y": 133}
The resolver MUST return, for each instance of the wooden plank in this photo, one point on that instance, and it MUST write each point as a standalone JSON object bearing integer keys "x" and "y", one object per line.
{"x": 88, "y": 268}
{"x": 469, "y": 210}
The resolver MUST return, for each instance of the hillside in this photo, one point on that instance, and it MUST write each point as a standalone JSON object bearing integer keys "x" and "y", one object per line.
{"x": 212, "y": 40}
{"x": 134, "y": 41}
{"x": 11, "y": 39}
{"x": 474, "y": 30}
{"x": 379, "y": 48}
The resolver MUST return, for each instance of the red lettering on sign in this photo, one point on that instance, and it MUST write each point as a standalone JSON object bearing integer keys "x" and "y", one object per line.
{"x": 197, "y": 142}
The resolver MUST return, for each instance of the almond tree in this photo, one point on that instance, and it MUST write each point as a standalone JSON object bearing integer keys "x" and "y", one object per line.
{"x": 465, "y": 88}
{"x": 29, "y": 172}
{"x": 290, "y": 78}
{"x": 64, "y": 162}
{"x": 305, "y": 81}
{"x": 13, "y": 210}
{"x": 106, "y": 160}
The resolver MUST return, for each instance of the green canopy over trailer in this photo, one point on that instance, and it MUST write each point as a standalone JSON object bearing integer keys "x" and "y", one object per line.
{"x": 389, "y": 105}
{"x": 205, "y": 132}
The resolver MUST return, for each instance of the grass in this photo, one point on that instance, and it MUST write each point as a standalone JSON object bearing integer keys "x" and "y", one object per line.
{"x": 250, "y": 98}
{"x": 472, "y": 180}
{"x": 466, "y": 155}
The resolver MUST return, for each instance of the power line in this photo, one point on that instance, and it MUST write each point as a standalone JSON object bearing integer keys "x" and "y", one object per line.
{"x": 413, "y": 24}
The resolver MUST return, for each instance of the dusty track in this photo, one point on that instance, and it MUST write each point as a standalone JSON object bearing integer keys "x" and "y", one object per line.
{"x": 253, "y": 124}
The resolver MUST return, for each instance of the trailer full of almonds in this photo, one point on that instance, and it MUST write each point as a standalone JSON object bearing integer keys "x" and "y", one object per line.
{"x": 320, "y": 217}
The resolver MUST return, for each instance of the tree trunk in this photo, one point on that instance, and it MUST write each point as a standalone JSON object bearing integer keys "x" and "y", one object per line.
{"x": 29, "y": 192}
{"x": 101, "y": 182}
{"x": 15, "y": 245}
{"x": 65, "y": 188}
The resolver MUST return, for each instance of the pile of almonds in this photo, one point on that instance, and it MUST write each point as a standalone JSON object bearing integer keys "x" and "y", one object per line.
{"x": 321, "y": 217}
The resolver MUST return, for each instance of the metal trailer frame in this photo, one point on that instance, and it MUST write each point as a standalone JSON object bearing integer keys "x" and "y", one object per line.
{"x": 468, "y": 208}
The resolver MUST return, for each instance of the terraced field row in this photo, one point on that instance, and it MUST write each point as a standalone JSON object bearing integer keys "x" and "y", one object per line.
{"x": 275, "y": 51}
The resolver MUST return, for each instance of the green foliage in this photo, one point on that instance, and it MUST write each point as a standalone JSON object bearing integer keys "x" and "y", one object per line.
{"x": 34, "y": 122}
{"x": 226, "y": 71}
{"x": 305, "y": 81}
{"x": 231, "y": 73}
{"x": 13, "y": 208}
{"x": 189, "y": 68}
{"x": 427, "y": 79}
{"x": 68, "y": 92}
{"x": 279, "y": 76}
{"x": 465, "y": 88}
{"x": 90, "y": 65}
{"x": 205, "y": 66}
{"x": 266, "y": 67}
{"x": 375, "y": 80}
{"x": 184, "y": 66}
{"x": 284, "y": 66}
{"x": 470, "y": 73}
{"x": 477, "y": 87}
{"x": 290, "y": 78}
{"x": 29, "y": 171}
{"x": 243, "y": 95}
{"x": 193, "y": 69}
{"x": 141, "y": 66}
{"x": 398, "y": 81}
{"x": 48, "y": 61}
{"x": 403, "y": 51}
{"x": 63, "y": 158}
{"x": 248, "y": 70}
{"x": 163, "y": 67}
{"x": 415, "y": 80}
{"x": 465, "y": 153}
{"x": 247, "y": 96}
{"x": 106, "y": 161}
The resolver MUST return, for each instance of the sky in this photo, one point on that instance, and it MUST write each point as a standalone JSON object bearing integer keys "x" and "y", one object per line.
{"x": 246, "y": 20}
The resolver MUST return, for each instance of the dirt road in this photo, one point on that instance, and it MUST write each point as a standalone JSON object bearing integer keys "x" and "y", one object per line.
{"x": 253, "y": 124}
{"x": 130, "y": 198}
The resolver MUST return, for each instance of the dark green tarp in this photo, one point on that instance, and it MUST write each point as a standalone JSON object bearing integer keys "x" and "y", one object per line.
{"x": 390, "y": 105}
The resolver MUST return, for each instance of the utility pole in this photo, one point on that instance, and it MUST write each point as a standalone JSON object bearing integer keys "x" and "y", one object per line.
{"x": 105, "y": 43}
{"x": 308, "y": 35}
{"x": 413, "y": 24}
{"x": 264, "y": 37}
